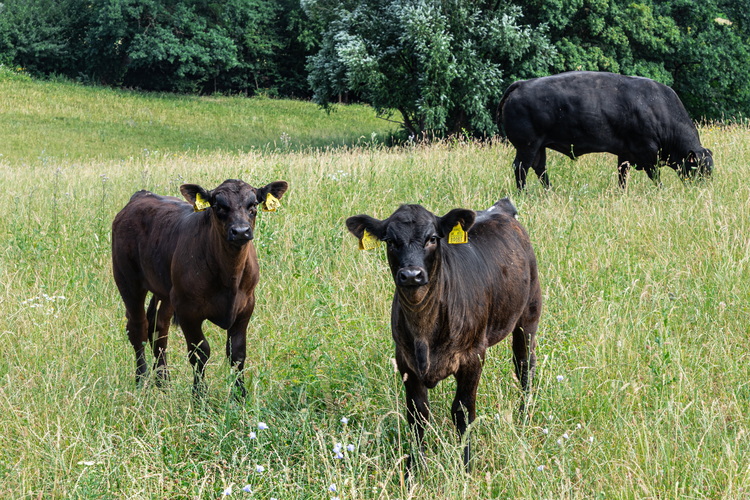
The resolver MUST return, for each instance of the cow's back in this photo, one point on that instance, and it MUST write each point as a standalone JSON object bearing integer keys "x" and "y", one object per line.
{"x": 495, "y": 271}
{"x": 595, "y": 111}
{"x": 145, "y": 234}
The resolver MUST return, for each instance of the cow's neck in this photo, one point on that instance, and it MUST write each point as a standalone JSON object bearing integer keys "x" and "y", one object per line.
{"x": 230, "y": 262}
{"x": 421, "y": 307}
{"x": 676, "y": 146}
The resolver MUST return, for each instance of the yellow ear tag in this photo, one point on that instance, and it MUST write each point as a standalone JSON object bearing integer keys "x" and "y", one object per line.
{"x": 271, "y": 203}
{"x": 458, "y": 235}
{"x": 368, "y": 241}
{"x": 200, "y": 203}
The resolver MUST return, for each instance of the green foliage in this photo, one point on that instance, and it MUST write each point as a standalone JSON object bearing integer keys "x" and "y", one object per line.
{"x": 192, "y": 46}
{"x": 42, "y": 36}
{"x": 251, "y": 26}
{"x": 178, "y": 46}
{"x": 711, "y": 65}
{"x": 619, "y": 36}
{"x": 442, "y": 64}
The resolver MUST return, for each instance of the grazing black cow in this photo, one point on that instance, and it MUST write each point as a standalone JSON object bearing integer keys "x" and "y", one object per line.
{"x": 641, "y": 121}
{"x": 456, "y": 295}
{"x": 197, "y": 259}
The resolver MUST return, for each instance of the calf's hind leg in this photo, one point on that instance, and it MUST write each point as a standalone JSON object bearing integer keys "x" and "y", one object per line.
{"x": 160, "y": 313}
{"x": 133, "y": 295}
{"x": 524, "y": 359}
{"x": 137, "y": 328}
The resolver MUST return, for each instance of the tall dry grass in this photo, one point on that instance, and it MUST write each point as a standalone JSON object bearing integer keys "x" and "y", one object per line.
{"x": 642, "y": 389}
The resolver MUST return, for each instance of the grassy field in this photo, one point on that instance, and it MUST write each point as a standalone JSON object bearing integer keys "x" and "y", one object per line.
{"x": 643, "y": 383}
{"x": 41, "y": 122}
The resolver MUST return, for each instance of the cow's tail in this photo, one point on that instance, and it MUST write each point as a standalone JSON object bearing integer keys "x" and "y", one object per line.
{"x": 499, "y": 113}
{"x": 152, "y": 312}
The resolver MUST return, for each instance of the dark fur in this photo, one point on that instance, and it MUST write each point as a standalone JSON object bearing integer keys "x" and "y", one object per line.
{"x": 198, "y": 265}
{"x": 641, "y": 121}
{"x": 452, "y": 302}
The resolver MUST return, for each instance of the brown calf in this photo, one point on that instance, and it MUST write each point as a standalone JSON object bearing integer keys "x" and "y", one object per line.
{"x": 456, "y": 295}
{"x": 198, "y": 261}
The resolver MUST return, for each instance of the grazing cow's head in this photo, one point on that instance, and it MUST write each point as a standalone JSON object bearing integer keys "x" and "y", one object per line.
{"x": 414, "y": 236}
{"x": 233, "y": 206}
{"x": 698, "y": 163}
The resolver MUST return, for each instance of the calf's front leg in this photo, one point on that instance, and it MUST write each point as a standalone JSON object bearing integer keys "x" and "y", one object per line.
{"x": 417, "y": 411}
{"x": 198, "y": 352}
{"x": 463, "y": 409}
{"x": 236, "y": 353}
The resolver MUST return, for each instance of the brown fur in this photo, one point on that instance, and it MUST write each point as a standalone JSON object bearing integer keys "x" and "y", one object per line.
{"x": 197, "y": 264}
{"x": 452, "y": 302}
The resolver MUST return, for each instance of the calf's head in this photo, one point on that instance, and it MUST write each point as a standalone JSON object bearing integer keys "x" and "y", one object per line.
{"x": 414, "y": 237}
{"x": 233, "y": 206}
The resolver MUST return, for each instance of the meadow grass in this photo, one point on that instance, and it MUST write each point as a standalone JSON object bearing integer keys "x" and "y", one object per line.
{"x": 44, "y": 121}
{"x": 642, "y": 387}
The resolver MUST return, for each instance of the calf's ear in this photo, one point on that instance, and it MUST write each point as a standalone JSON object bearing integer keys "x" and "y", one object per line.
{"x": 358, "y": 224}
{"x": 277, "y": 189}
{"x": 460, "y": 216}
{"x": 270, "y": 194}
{"x": 197, "y": 196}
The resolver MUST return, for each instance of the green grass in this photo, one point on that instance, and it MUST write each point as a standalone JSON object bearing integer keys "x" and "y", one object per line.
{"x": 645, "y": 317}
{"x": 41, "y": 121}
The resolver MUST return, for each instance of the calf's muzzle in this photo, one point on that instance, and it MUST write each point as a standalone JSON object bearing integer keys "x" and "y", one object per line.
{"x": 240, "y": 234}
{"x": 411, "y": 276}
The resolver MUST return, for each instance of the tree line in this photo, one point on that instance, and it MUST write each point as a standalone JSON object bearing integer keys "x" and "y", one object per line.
{"x": 443, "y": 64}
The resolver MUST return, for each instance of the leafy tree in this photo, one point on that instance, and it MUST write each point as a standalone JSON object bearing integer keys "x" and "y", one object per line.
{"x": 194, "y": 45}
{"x": 157, "y": 45}
{"x": 711, "y": 61}
{"x": 619, "y": 36}
{"x": 42, "y": 36}
{"x": 252, "y": 26}
{"x": 443, "y": 64}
